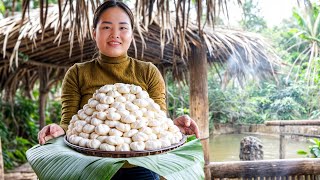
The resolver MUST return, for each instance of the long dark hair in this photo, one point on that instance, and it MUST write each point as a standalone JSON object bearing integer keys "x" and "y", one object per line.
{"x": 109, "y": 4}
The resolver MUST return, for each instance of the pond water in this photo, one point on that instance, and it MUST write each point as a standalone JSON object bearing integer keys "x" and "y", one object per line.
{"x": 225, "y": 147}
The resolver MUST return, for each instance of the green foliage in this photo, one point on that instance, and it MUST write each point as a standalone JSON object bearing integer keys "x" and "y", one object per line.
{"x": 53, "y": 112}
{"x": 19, "y": 127}
{"x": 287, "y": 101}
{"x": 18, "y": 130}
{"x": 297, "y": 41}
{"x": 14, "y": 152}
{"x": 256, "y": 104}
{"x": 36, "y": 3}
{"x": 2, "y": 8}
{"x": 182, "y": 111}
{"x": 177, "y": 98}
{"x": 314, "y": 149}
{"x": 303, "y": 43}
{"x": 22, "y": 117}
{"x": 231, "y": 105}
{"x": 252, "y": 21}
{"x": 315, "y": 114}
{"x": 251, "y": 105}
{"x": 7, "y": 5}
{"x": 286, "y": 108}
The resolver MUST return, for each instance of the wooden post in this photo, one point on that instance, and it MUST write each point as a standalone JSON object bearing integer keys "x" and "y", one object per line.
{"x": 282, "y": 149}
{"x": 43, "y": 89}
{"x": 1, "y": 163}
{"x": 42, "y": 109}
{"x": 199, "y": 108}
{"x": 283, "y": 123}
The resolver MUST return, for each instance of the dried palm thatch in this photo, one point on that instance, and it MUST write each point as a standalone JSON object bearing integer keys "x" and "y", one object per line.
{"x": 146, "y": 11}
{"x": 31, "y": 50}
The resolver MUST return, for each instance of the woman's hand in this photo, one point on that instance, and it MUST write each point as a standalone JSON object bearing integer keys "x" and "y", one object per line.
{"x": 48, "y": 132}
{"x": 187, "y": 125}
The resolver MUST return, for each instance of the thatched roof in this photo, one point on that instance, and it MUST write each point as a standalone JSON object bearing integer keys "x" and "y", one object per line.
{"x": 29, "y": 53}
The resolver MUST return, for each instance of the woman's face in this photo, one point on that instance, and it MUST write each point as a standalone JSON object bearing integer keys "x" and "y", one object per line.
{"x": 113, "y": 34}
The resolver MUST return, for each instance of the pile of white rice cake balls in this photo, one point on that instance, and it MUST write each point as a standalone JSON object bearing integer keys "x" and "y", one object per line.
{"x": 122, "y": 117}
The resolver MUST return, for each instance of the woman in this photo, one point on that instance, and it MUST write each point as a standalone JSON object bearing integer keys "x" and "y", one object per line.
{"x": 113, "y": 32}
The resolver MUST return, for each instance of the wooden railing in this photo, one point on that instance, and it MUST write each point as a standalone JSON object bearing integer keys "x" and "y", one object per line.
{"x": 284, "y": 169}
{"x": 283, "y": 123}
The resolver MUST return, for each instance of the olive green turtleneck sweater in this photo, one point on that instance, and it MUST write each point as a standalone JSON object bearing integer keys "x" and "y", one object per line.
{"x": 83, "y": 79}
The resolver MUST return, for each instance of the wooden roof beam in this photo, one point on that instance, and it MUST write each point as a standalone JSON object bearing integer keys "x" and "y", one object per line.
{"x": 36, "y": 63}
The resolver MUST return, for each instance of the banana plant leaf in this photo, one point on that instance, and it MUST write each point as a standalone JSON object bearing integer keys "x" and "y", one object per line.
{"x": 55, "y": 160}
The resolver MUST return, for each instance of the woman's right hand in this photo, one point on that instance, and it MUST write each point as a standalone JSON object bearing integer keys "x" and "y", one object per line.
{"x": 48, "y": 132}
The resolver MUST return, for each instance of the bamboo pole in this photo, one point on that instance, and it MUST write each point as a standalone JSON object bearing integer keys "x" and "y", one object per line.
{"x": 199, "y": 108}
{"x": 1, "y": 163}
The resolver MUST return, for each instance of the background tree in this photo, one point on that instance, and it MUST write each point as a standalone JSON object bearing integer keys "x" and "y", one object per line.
{"x": 9, "y": 7}
{"x": 306, "y": 38}
{"x": 252, "y": 19}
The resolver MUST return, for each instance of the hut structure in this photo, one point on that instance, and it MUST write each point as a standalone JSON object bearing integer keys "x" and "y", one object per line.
{"x": 34, "y": 53}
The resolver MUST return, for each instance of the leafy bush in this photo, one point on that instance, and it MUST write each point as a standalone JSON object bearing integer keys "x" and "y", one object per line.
{"x": 177, "y": 97}
{"x": 286, "y": 108}
{"x": 53, "y": 112}
{"x": 19, "y": 127}
{"x": 232, "y": 105}
{"x": 314, "y": 150}
{"x": 18, "y": 130}
{"x": 14, "y": 152}
{"x": 268, "y": 101}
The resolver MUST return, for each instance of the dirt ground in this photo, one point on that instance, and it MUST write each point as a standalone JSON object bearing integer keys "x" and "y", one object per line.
{"x": 23, "y": 172}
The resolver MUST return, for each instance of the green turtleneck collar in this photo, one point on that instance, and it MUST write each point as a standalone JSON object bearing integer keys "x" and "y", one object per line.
{"x": 113, "y": 60}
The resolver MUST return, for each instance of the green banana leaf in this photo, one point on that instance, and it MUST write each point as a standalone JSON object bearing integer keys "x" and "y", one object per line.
{"x": 55, "y": 160}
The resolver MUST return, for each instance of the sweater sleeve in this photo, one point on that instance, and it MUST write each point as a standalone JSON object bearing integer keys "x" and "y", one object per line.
{"x": 70, "y": 96}
{"x": 156, "y": 86}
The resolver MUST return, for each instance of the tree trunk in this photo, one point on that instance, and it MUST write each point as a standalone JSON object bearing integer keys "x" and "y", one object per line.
{"x": 42, "y": 109}
{"x": 44, "y": 89}
{"x": 1, "y": 163}
{"x": 199, "y": 109}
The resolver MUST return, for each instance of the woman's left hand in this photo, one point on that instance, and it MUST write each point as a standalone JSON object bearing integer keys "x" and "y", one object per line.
{"x": 187, "y": 125}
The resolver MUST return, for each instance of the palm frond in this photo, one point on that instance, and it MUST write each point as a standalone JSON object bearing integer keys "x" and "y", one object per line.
{"x": 307, "y": 37}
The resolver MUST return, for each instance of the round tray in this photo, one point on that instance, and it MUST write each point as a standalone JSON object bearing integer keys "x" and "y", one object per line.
{"x": 123, "y": 154}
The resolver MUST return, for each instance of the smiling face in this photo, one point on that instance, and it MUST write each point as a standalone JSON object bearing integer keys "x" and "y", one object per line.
{"x": 113, "y": 33}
